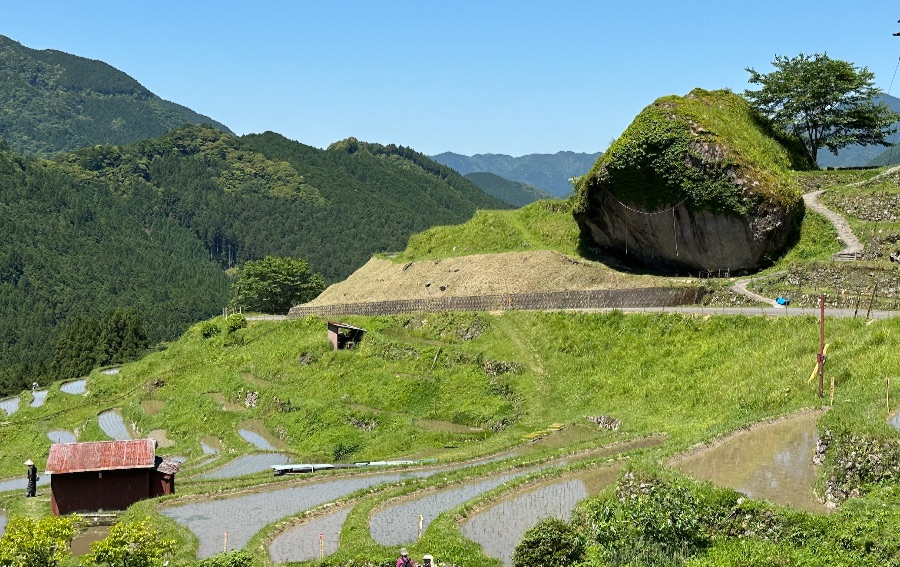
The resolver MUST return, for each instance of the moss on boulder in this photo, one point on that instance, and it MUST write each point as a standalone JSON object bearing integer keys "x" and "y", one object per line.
{"x": 696, "y": 183}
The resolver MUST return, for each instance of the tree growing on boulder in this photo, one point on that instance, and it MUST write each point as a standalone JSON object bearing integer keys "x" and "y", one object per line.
{"x": 824, "y": 102}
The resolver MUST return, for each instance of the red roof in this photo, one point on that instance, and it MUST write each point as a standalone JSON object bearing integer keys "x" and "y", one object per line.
{"x": 101, "y": 456}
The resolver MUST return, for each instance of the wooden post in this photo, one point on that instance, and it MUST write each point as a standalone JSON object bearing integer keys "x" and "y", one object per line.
{"x": 420, "y": 526}
{"x": 226, "y": 542}
{"x": 887, "y": 394}
{"x": 872, "y": 299}
{"x": 821, "y": 356}
{"x": 321, "y": 546}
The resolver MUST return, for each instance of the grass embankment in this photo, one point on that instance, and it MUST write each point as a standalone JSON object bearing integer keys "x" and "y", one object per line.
{"x": 510, "y": 375}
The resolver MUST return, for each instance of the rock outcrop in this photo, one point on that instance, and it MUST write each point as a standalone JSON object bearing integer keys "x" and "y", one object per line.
{"x": 696, "y": 183}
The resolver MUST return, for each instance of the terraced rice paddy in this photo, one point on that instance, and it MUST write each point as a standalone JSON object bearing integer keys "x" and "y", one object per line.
{"x": 249, "y": 464}
{"x": 61, "y": 436}
{"x": 399, "y": 523}
{"x": 2, "y": 523}
{"x": 21, "y": 483}
{"x": 243, "y": 516}
{"x": 499, "y": 529}
{"x": 10, "y": 405}
{"x": 301, "y": 543}
{"x": 256, "y": 440}
{"x": 771, "y": 461}
{"x": 111, "y": 423}
{"x": 39, "y": 398}
{"x": 75, "y": 387}
{"x": 81, "y": 544}
{"x": 111, "y": 371}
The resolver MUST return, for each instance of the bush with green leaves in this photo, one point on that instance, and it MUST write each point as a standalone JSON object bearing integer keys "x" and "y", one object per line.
{"x": 37, "y": 543}
{"x": 235, "y": 322}
{"x": 230, "y": 559}
{"x": 274, "y": 285}
{"x": 209, "y": 329}
{"x": 132, "y": 544}
{"x": 551, "y": 543}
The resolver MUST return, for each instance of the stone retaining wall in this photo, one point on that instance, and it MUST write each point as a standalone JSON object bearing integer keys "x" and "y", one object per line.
{"x": 548, "y": 300}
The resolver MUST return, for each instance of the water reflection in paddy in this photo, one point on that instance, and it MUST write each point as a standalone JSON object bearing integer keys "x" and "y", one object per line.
{"x": 772, "y": 461}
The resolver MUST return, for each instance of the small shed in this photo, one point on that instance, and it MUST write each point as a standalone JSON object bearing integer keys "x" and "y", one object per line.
{"x": 343, "y": 335}
{"x": 106, "y": 475}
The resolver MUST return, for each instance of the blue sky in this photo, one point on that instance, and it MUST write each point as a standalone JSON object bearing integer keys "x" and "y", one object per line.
{"x": 488, "y": 76}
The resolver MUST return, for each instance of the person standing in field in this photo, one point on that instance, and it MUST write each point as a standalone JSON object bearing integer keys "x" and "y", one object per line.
{"x": 32, "y": 478}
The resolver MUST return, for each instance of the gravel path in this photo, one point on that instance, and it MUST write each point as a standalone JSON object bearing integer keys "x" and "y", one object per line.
{"x": 852, "y": 247}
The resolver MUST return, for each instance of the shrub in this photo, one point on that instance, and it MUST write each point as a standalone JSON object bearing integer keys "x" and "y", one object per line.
{"x": 37, "y": 543}
{"x": 209, "y": 329}
{"x": 234, "y": 322}
{"x": 552, "y": 542}
{"x": 231, "y": 559}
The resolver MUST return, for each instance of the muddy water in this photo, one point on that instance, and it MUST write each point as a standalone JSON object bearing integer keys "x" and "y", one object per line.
{"x": 499, "y": 529}
{"x": 243, "y": 516}
{"x": 10, "y": 405}
{"x": 75, "y": 387}
{"x": 61, "y": 436}
{"x": 81, "y": 544}
{"x": 399, "y": 524}
{"x": 111, "y": 423}
{"x": 769, "y": 461}
{"x": 249, "y": 464}
{"x": 38, "y": 398}
{"x": 302, "y": 542}
{"x": 256, "y": 440}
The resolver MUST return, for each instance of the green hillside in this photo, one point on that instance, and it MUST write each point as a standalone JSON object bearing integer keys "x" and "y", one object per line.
{"x": 52, "y": 101}
{"x": 416, "y": 382}
{"x": 515, "y": 193}
{"x": 154, "y": 226}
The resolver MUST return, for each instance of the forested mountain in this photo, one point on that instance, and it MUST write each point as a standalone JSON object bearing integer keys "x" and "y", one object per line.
{"x": 153, "y": 226}
{"x": 856, "y": 156}
{"x": 515, "y": 193}
{"x": 52, "y": 101}
{"x": 550, "y": 172}
{"x": 72, "y": 249}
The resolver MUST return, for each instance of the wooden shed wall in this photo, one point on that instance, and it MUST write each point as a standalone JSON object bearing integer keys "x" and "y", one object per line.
{"x": 98, "y": 490}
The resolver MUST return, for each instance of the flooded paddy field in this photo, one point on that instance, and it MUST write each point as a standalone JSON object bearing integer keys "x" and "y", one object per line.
{"x": 2, "y": 523}
{"x": 61, "y": 436}
{"x": 301, "y": 543}
{"x": 399, "y": 523}
{"x": 39, "y": 397}
{"x": 256, "y": 440}
{"x": 770, "y": 461}
{"x": 242, "y": 516}
{"x": 895, "y": 420}
{"x": 81, "y": 544}
{"x": 75, "y": 387}
{"x": 111, "y": 423}
{"x": 22, "y": 483}
{"x": 10, "y": 405}
{"x": 249, "y": 464}
{"x": 499, "y": 528}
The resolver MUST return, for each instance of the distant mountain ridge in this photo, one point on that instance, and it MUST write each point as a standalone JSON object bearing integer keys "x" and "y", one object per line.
{"x": 51, "y": 101}
{"x": 515, "y": 193}
{"x": 550, "y": 172}
{"x": 856, "y": 156}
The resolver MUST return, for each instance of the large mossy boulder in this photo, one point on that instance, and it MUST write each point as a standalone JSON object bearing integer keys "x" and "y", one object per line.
{"x": 696, "y": 183}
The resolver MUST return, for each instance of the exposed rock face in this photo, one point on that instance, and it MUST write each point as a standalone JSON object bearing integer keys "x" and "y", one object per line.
{"x": 677, "y": 192}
